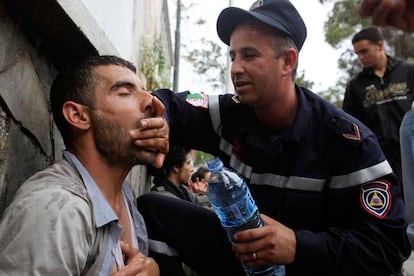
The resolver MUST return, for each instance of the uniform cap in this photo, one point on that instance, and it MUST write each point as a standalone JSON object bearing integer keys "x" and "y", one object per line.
{"x": 278, "y": 14}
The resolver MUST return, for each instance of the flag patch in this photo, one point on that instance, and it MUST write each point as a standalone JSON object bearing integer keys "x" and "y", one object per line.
{"x": 197, "y": 99}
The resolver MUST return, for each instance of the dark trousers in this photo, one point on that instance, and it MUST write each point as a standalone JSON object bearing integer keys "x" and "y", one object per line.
{"x": 194, "y": 231}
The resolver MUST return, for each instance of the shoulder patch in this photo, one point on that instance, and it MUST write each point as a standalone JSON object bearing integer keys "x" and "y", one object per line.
{"x": 197, "y": 99}
{"x": 375, "y": 198}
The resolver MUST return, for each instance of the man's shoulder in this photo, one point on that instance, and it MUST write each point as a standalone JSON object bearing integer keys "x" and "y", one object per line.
{"x": 355, "y": 80}
{"x": 62, "y": 174}
{"x": 337, "y": 121}
{"x": 162, "y": 185}
{"x": 42, "y": 217}
{"x": 397, "y": 64}
{"x": 160, "y": 189}
{"x": 44, "y": 200}
{"x": 57, "y": 184}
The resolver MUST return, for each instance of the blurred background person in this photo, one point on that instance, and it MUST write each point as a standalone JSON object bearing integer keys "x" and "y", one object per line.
{"x": 399, "y": 14}
{"x": 381, "y": 93}
{"x": 198, "y": 185}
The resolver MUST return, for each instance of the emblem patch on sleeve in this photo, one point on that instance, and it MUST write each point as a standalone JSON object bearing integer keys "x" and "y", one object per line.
{"x": 376, "y": 198}
{"x": 197, "y": 99}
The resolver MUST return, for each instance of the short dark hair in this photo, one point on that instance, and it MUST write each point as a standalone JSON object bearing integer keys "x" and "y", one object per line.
{"x": 175, "y": 157}
{"x": 77, "y": 82}
{"x": 371, "y": 34}
{"x": 200, "y": 173}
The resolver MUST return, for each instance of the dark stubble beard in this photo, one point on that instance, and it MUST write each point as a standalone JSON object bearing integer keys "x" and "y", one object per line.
{"x": 115, "y": 145}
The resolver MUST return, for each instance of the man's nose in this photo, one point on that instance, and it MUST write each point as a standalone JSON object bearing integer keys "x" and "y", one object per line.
{"x": 146, "y": 102}
{"x": 236, "y": 67}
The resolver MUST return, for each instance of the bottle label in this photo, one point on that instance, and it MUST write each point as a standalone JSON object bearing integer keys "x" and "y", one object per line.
{"x": 238, "y": 213}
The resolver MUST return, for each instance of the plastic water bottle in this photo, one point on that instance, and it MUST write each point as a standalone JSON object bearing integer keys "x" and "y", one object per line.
{"x": 230, "y": 198}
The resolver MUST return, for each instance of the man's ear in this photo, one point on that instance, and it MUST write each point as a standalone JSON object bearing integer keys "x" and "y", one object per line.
{"x": 77, "y": 115}
{"x": 175, "y": 169}
{"x": 291, "y": 58}
{"x": 381, "y": 45}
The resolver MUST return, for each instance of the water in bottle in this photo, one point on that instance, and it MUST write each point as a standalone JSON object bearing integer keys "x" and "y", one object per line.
{"x": 230, "y": 198}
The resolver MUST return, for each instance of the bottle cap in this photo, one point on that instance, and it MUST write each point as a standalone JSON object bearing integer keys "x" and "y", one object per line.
{"x": 214, "y": 164}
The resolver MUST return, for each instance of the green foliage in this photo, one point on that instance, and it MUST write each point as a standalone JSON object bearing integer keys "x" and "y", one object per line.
{"x": 342, "y": 23}
{"x": 301, "y": 81}
{"x": 332, "y": 95}
{"x": 209, "y": 60}
{"x": 201, "y": 21}
{"x": 152, "y": 64}
{"x": 201, "y": 158}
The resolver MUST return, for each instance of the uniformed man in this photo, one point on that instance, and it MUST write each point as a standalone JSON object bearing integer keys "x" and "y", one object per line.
{"x": 332, "y": 204}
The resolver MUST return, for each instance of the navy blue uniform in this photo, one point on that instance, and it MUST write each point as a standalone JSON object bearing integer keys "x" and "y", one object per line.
{"x": 325, "y": 176}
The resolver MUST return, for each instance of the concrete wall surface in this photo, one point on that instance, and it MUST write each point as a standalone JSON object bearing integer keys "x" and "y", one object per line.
{"x": 37, "y": 39}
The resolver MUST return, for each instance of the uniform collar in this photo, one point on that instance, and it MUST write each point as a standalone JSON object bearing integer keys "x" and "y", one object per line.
{"x": 273, "y": 140}
{"x": 298, "y": 130}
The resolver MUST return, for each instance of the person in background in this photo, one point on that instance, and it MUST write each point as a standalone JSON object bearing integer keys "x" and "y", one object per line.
{"x": 175, "y": 173}
{"x": 381, "y": 93}
{"x": 329, "y": 198}
{"x": 399, "y": 14}
{"x": 407, "y": 162}
{"x": 199, "y": 180}
{"x": 78, "y": 217}
{"x": 172, "y": 179}
{"x": 395, "y": 13}
{"x": 198, "y": 185}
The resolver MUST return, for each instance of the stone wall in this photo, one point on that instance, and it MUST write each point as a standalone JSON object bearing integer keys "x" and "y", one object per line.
{"x": 36, "y": 38}
{"x": 27, "y": 140}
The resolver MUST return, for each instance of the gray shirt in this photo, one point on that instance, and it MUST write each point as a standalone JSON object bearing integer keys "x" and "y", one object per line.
{"x": 59, "y": 223}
